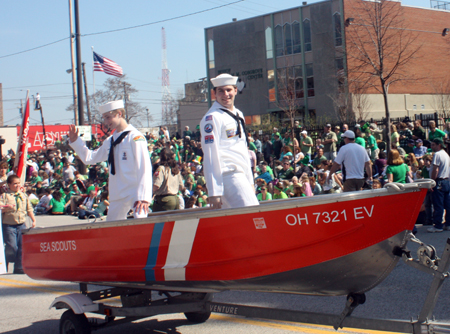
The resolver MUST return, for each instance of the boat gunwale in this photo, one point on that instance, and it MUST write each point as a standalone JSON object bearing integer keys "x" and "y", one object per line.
{"x": 268, "y": 206}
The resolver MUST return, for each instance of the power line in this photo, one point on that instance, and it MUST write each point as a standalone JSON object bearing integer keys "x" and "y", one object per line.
{"x": 58, "y": 84}
{"x": 121, "y": 29}
{"x": 161, "y": 21}
{"x": 37, "y": 47}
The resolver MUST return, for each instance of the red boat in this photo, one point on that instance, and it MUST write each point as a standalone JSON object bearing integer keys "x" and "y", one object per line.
{"x": 323, "y": 245}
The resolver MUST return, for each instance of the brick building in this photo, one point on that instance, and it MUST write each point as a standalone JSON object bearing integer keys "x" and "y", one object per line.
{"x": 307, "y": 55}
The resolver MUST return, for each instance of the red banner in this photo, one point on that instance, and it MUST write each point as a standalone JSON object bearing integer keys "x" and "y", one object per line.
{"x": 53, "y": 133}
{"x": 22, "y": 148}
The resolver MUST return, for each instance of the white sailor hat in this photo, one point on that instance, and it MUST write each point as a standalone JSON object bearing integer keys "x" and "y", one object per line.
{"x": 110, "y": 106}
{"x": 224, "y": 79}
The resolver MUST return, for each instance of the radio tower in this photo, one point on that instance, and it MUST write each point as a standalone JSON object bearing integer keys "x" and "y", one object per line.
{"x": 166, "y": 102}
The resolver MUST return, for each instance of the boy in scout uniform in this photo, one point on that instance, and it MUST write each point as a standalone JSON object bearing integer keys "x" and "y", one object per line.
{"x": 15, "y": 207}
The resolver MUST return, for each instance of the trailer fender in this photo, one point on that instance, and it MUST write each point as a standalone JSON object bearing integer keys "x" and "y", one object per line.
{"x": 77, "y": 302}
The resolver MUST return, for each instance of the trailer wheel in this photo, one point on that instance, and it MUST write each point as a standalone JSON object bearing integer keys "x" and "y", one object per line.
{"x": 197, "y": 317}
{"x": 71, "y": 323}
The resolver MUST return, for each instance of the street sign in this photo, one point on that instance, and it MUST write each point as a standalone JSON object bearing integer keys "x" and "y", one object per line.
{"x": 85, "y": 132}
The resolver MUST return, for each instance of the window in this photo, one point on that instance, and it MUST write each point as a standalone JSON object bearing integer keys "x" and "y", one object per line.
{"x": 269, "y": 43}
{"x": 212, "y": 63}
{"x": 298, "y": 75}
{"x": 337, "y": 29}
{"x": 288, "y": 38}
{"x": 307, "y": 34}
{"x": 340, "y": 74}
{"x": 279, "y": 41}
{"x": 271, "y": 84}
{"x": 296, "y": 42}
{"x": 281, "y": 83}
{"x": 310, "y": 79}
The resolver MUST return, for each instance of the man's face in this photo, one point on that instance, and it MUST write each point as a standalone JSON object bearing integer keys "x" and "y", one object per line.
{"x": 435, "y": 147}
{"x": 111, "y": 120}
{"x": 304, "y": 135}
{"x": 263, "y": 168}
{"x": 225, "y": 95}
{"x": 3, "y": 171}
{"x": 419, "y": 144}
{"x": 327, "y": 129}
{"x": 320, "y": 152}
{"x": 344, "y": 127}
{"x": 286, "y": 165}
{"x": 416, "y": 124}
{"x": 14, "y": 185}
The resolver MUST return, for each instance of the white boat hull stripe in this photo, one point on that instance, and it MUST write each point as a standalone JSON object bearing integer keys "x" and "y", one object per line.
{"x": 180, "y": 248}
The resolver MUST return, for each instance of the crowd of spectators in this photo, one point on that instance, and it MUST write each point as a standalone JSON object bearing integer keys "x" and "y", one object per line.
{"x": 57, "y": 182}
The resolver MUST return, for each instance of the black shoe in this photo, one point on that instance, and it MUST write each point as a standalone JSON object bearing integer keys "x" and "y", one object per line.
{"x": 18, "y": 271}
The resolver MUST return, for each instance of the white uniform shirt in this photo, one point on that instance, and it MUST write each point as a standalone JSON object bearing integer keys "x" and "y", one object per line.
{"x": 352, "y": 158}
{"x": 133, "y": 176}
{"x": 223, "y": 150}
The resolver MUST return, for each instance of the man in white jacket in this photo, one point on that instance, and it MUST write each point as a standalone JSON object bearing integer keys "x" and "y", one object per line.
{"x": 130, "y": 178}
{"x": 226, "y": 162}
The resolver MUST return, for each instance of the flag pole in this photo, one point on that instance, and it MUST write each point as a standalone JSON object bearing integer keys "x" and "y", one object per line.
{"x": 93, "y": 74}
{"x": 22, "y": 143}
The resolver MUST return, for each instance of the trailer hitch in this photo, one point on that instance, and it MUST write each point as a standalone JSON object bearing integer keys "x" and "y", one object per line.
{"x": 353, "y": 300}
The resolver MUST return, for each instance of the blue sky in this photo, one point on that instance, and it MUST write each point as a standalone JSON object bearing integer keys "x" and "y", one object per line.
{"x": 25, "y": 24}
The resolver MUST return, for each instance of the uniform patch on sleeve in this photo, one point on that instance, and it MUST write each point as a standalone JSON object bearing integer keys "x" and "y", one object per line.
{"x": 156, "y": 173}
{"x": 209, "y": 139}
{"x": 208, "y": 118}
{"x": 139, "y": 138}
{"x": 231, "y": 133}
{"x": 208, "y": 128}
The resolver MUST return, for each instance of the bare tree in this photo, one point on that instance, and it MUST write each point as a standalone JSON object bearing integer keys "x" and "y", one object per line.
{"x": 379, "y": 46}
{"x": 288, "y": 101}
{"x": 116, "y": 88}
{"x": 441, "y": 98}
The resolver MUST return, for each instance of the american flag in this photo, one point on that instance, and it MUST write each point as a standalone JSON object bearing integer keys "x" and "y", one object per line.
{"x": 103, "y": 64}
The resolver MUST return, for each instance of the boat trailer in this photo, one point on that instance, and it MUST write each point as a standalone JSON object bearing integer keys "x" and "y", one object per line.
{"x": 197, "y": 306}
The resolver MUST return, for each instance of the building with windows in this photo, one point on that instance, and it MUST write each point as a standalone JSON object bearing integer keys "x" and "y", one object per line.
{"x": 302, "y": 56}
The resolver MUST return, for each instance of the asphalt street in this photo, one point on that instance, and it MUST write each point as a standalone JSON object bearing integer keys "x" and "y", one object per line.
{"x": 24, "y": 306}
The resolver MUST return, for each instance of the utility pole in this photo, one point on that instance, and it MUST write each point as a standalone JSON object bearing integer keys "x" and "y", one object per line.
{"x": 125, "y": 97}
{"x": 72, "y": 60}
{"x": 21, "y": 109}
{"x": 87, "y": 95}
{"x": 148, "y": 124}
{"x": 43, "y": 125}
{"x": 79, "y": 75}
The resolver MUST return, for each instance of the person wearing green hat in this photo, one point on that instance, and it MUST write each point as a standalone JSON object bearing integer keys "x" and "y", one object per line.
{"x": 441, "y": 193}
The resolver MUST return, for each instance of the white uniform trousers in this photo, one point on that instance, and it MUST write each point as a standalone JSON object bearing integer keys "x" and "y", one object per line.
{"x": 118, "y": 210}
{"x": 237, "y": 191}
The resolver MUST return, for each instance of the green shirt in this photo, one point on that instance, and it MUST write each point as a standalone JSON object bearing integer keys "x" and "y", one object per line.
{"x": 35, "y": 179}
{"x": 306, "y": 149}
{"x": 318, "y": 161}
{"x": 360, "y": 141}
{"x": 57, "y": 206}
{"x": 398, "y": 172}
{"x": 282, "y": 195}
{"x": 372, "y": 143}
{"x": 268, "y": 197}
{"x": 436, "y": 134}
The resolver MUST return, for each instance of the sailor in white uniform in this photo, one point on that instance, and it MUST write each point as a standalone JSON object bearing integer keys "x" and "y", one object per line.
{"x": 226, "y": 163}
{"x": 130, "y": 169}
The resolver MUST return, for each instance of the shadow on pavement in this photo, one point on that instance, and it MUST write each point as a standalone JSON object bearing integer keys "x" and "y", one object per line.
{"x": 152, "y": 326}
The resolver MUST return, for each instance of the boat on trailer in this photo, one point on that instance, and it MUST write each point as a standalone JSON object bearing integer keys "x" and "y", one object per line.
{"x": 338, "y": 244}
